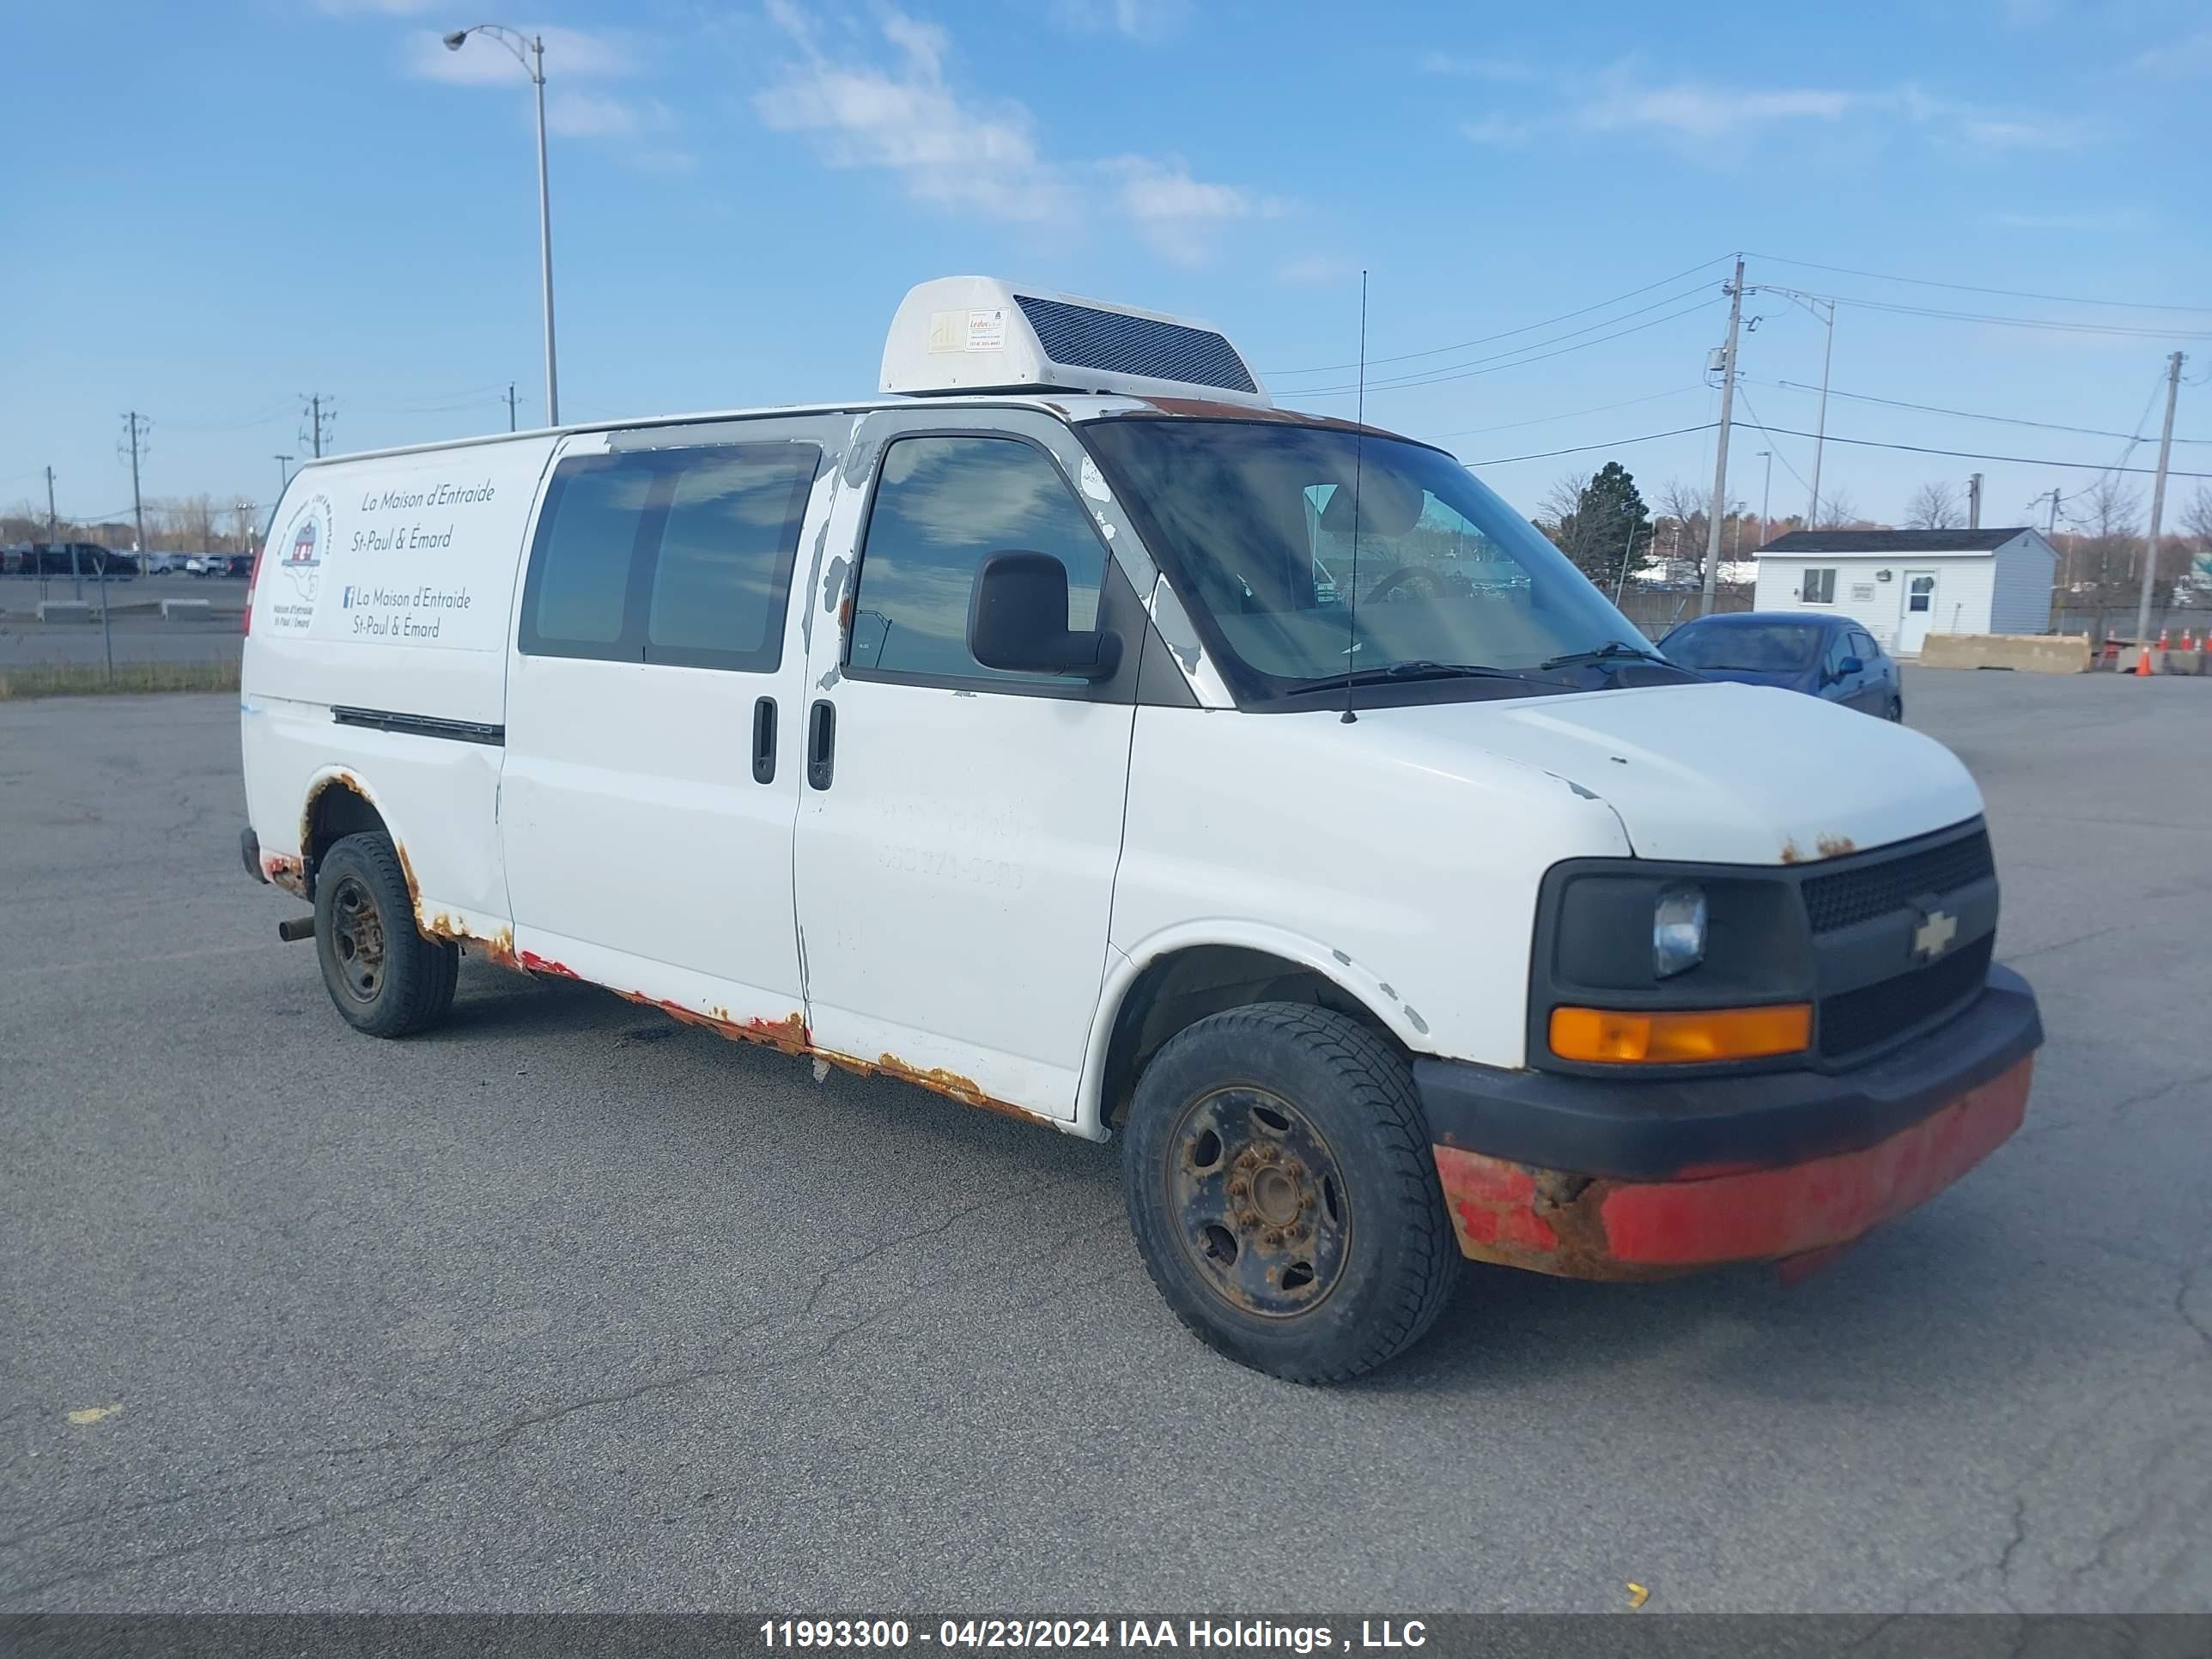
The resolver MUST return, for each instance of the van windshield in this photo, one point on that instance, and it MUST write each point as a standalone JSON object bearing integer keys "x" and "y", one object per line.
{"x": 1255, "y": 522}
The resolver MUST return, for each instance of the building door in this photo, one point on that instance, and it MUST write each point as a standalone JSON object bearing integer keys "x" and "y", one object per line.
{"x": 1919, "y": 612}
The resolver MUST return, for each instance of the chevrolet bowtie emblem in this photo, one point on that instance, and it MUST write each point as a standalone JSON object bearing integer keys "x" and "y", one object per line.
{"x": 1934, "y": 935}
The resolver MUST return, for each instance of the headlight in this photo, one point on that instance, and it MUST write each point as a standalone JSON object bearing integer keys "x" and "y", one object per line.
{"x": 1678, "y": 930}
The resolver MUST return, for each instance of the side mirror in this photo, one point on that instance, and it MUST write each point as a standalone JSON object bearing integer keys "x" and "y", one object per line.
{"x": 1851, "y": 665}
{"x": 1017, "y": 621}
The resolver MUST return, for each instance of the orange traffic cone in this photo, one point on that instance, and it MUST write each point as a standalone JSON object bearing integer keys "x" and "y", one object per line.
{"x": 2143, "y": 670}
{"x": 2162, "y": 636}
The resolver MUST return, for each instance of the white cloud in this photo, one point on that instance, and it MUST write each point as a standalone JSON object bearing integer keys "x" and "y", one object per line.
{"x": 1502, "y": 130}
{"x": 595, "y": 115}
{"x": 982, "y": 156}
{"x": 2089, "y": 223}
{"x": 1148, "y": 21}
{"x": 2187, "y": 58}
{"x": 901, "y": 113}
{"x": 1704, "y": 114}
{"x": 1477, "y": 69}
{"x": 1313, "y": 270}
{"x": 1695, "y": 111}
{"x": 570, "y": 55}
{"x": 1177, "y": 214}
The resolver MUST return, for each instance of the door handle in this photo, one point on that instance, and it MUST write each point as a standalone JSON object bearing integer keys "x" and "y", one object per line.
{"x": 821, "y": 743}
{"x": 764, "y": 740}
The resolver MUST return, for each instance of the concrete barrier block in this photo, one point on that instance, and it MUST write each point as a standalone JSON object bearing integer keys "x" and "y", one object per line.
{"x": 65, "y": 611}
{"x": 185, "y": 611}
{"x": 2033, "y": 653}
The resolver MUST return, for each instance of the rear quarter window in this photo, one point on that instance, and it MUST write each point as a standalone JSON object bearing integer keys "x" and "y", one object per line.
{"x": 678, "y": 556}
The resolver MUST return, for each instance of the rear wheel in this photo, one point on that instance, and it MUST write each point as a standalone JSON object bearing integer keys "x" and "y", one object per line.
{"x": 1284, "y": 1194}
{"x": 1895, "y": 711}
{"x": 384, "y": 977}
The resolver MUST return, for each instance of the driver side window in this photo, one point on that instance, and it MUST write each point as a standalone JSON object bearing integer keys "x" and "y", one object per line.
{"x": 945, "y": 503}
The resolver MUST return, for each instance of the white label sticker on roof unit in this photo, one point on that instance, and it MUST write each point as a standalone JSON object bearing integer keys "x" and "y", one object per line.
{"x": 986, "y": 331}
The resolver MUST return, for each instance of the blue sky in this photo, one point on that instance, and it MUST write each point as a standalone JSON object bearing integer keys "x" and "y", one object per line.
{"x": 215, "y": 209}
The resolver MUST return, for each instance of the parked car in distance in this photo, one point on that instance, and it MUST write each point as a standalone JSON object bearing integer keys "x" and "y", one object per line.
{"x": 68, "y": 558}
{"x": 1830, "y": 656}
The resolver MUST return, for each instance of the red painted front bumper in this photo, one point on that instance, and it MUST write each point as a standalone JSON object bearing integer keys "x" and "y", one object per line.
{"x": 1554, "y": 1221}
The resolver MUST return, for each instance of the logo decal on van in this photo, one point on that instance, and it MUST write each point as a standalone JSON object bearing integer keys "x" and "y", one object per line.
{"x": 299, "y": 551}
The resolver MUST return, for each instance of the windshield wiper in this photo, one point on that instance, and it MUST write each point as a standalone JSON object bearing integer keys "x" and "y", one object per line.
{"x": 1612, "y": 650}
{"x": 1418, "y": 669}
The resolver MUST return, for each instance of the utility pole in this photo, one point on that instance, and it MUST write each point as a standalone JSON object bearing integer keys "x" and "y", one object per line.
{"x": 311, "y": 435}
{"x": 1973, "y": 500}
{"x": 2158, "y": 501}
{"x": 510, "y": 405}
{"x": 133, "y": 424}
{"x": 53, "y": 519}
{"x": 1720, "y": 457}
{"x": 284, "y": 473}
{"x": 1766, "y": 498}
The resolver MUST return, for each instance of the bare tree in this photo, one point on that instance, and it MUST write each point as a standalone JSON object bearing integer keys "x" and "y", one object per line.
{"x": 1934, "y": 507}
{"x": 1838, "y": 512}
{"x": 1684, "y": 511}
{"x": 2104, "y": 567}
{"x": 1558, "y": 505}
{"x": 2197, "y": 521}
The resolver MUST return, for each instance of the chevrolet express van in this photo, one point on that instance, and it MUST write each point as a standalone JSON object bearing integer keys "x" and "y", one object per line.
{"x": 1073, "y": 733}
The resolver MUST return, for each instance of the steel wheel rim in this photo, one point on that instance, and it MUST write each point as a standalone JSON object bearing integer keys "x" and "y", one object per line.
{"x": 357, "y": 939}
{"x": 1257, "y": 1202}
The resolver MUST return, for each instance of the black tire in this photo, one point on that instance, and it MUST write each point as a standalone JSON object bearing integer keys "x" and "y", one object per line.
{"x": 384, "y": 977}
{"x": 1895, "y": 712}
{"x": 1336, "y": 1255}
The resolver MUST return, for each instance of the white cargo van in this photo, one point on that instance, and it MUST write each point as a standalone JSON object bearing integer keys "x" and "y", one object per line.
{"x": 1073, "y": 733}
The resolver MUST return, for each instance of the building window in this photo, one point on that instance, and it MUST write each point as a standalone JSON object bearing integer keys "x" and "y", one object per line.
{"x": 1819, "y": 588}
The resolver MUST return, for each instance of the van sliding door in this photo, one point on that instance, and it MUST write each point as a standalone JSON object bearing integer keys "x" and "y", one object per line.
{"x": 654, "y": 716}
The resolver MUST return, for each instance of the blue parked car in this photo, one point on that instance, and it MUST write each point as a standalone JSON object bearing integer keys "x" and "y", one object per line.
{"x": 1830, "y": 656}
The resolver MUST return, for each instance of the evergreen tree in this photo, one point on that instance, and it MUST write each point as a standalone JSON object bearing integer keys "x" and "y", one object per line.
{"x": 1609, "y": 524}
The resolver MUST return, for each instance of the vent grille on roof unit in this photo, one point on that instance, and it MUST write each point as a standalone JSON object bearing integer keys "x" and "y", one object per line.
{"x": 1077, "y": 337}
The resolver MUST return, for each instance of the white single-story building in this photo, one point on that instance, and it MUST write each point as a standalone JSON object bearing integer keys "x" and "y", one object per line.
{"x": 1904, "y": 585}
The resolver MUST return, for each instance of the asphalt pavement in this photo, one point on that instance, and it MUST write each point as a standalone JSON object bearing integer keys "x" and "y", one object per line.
{"x": 567, "y": 1306}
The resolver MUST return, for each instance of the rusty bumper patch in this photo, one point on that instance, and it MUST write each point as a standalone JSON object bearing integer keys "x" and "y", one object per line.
{"x": 1553, "y": 1222}
{"x": 285, "y": 871}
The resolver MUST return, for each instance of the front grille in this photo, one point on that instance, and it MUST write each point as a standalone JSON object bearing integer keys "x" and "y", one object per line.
{"x": 1850, "y": 896}
{"x": 1081, "y": 337}
{"x": 1894, "y": 1007}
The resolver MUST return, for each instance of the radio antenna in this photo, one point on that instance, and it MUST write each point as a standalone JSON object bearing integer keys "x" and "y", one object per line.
{"x": 1358, "y": 458}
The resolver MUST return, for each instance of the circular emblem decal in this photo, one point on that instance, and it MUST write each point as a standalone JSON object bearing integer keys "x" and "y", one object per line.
{"x": 300, "y": 551}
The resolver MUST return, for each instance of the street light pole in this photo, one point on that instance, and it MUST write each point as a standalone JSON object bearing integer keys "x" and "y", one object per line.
{"x": 284, "y": 473}
{"x": 529, "y": 52}
{"x": 1767, "y": 497}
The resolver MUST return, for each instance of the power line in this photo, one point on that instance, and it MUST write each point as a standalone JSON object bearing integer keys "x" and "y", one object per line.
{"x": 1625, "y": 403}
{"x": 1977, "y": 455}
{"x": 1579, "y": 449}
{"x": 1968, "y": 414}
{"x": 1970, "y": 287}
{"x": 1469, "y": 372}
{"x": 1437, "y": 351}
{"x": 2049, "y": 324}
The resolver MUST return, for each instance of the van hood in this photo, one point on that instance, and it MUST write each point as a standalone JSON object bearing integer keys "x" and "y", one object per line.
{"x": 1714, "y": 772}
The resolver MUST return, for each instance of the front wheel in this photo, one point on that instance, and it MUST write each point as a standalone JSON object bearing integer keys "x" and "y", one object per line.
{"x": 1895, "y": 712}
{"x": 383, "y": 975}
{"x": 1284, "y": 1193}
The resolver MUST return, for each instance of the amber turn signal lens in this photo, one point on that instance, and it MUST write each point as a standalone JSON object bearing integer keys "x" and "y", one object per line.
{"x": 1627, "y": 1038}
